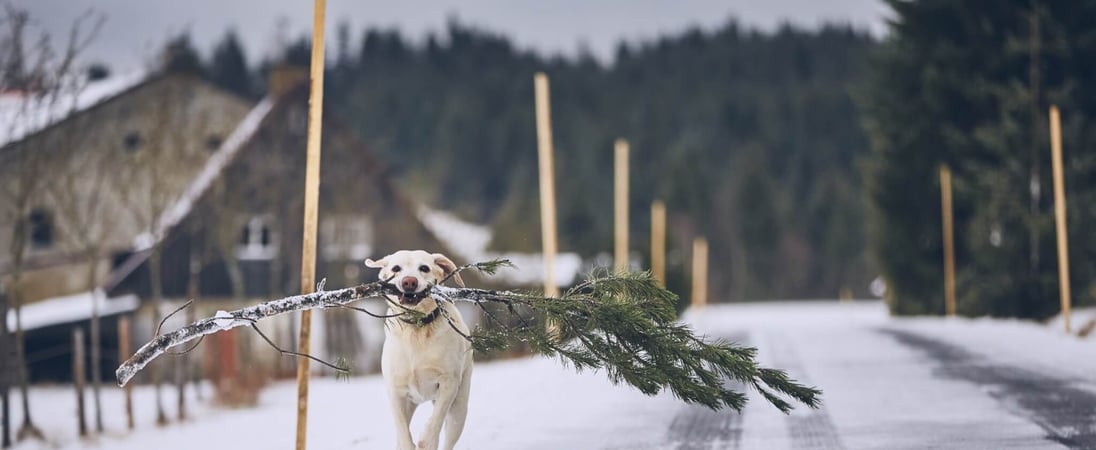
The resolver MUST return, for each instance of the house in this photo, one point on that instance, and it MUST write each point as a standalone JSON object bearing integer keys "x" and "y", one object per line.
{"x": 176, "y": 189}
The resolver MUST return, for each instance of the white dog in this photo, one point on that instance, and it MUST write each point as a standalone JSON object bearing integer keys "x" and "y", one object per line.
{"x": 424, "y": 360}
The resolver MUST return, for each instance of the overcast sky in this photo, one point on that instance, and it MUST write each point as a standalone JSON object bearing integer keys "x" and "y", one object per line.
{"x": 136, "y": 28}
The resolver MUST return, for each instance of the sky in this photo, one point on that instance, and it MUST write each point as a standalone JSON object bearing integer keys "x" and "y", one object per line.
{"x": 135, "y": 29}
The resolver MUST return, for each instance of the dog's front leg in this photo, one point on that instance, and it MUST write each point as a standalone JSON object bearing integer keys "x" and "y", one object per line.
{"x": 402, "y": 408}
{"x": 447, "y": 392}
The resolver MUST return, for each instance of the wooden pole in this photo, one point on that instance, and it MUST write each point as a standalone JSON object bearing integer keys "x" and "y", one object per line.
{"x": 700, "y": 273}
{"x": 949, "y": 241}
{"x": 311, "y": 214}
{"x": 620, "y": 205}
{"x": 658, "y": 242}
{"x": 1060, "y": 214}
{"x": 79, "y": 377}
{"x": 547, "y": 182}
{"x": 124, "y": 354}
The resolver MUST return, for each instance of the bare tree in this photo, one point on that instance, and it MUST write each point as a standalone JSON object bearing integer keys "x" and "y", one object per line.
{"x": 48, "y": 82}
{"x": 157, "y": 176}
{"x": 78, "y": 191}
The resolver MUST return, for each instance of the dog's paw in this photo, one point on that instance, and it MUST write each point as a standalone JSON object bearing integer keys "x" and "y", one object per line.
{"x": 427, "y": 445}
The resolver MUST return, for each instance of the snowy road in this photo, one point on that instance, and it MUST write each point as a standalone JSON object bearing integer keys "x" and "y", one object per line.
{"x": 889, "y": 384}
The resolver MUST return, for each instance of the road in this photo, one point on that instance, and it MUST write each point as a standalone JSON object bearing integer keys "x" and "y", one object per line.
{"x": 894, "y": 384}
{"x": 887, "y": 384}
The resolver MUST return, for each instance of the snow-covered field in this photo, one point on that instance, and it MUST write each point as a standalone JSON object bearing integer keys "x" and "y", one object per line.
{"x": 884, "y": 388}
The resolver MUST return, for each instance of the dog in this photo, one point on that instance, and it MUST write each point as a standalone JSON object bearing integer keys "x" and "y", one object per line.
{"x": 424, "y": 359}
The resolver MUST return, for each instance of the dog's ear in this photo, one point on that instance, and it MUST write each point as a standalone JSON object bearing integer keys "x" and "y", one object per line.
{"x": 376, "y": 264}
{"x": 448, "y": 266}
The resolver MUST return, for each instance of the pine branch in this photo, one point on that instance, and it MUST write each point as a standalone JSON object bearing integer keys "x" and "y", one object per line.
{"x": 624, "y": 324}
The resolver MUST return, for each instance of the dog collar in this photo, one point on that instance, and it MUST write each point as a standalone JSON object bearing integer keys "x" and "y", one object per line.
{"x": 427, "y": 319}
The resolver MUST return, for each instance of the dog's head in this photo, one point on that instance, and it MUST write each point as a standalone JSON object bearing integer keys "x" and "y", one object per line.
{"x": 414, "y": 271}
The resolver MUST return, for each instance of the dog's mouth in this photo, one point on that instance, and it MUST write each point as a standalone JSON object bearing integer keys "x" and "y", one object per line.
{"x": 412, "y": 298}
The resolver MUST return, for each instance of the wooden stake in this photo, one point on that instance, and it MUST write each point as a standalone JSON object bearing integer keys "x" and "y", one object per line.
{"x": 124, "y": 354}
{"x": 620, "y": 215}
{"x": 949, "y": 241}
{"x": 1060, "y": 214}
{"x": 658, "y": 242}
{"x": 311, "y": 214}
{"x": 547, "y": 182}
{"x": 700, "y": 273}
{"x": 79, "y": 377}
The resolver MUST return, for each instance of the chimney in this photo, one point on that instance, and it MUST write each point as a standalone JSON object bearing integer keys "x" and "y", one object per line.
{"x": 283, "y": 78}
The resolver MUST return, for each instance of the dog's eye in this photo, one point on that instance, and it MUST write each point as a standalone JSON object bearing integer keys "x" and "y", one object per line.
{"x": 395, "y": 269}
{"x": 424, "y": 269}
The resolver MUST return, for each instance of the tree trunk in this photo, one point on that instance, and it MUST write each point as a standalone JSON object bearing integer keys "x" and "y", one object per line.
{"x": 96, "y": 340}
{"x": 79, "y": 376}
{"x": 6, "y": 368}
{"x": 184, "y": 362}
{"x": 156, "y": 286}
{"x": 27, "y": 429}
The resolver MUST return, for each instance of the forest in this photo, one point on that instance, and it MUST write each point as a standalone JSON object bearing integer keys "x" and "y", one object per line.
{"x": 751, "y": 138}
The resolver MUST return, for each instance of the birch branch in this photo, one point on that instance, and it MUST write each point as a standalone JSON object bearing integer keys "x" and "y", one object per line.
{"x": 244, "y": 317}
{"x": 624, "y": 324}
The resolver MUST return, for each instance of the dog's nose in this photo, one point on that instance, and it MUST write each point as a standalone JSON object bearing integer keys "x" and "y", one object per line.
{"x": 409, "y": 284}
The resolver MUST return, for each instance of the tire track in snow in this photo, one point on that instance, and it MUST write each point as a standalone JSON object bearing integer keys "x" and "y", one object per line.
{"x": 699, "y": 428}
{"x": 1067, "y": 413}
{"x": 808, "y": 428}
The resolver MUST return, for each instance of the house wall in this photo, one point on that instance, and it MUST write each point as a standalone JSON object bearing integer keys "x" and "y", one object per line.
{"x": 106, "y": 174}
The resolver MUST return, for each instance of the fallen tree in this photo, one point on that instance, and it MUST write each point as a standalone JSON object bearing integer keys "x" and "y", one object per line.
{"x": 624, "y": 324}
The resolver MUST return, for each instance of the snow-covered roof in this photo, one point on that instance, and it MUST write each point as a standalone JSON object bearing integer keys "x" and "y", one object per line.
{"x": 210, "y": 172}
{"x": 469, "y": 241}
{"x": 23, "y": 114}
{"x": 70, "y": 308}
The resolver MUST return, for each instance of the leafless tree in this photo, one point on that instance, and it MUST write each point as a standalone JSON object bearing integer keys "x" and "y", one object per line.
{"x": 77, "y": 191}
{"x": 156, "y": 179}
{"x": 47, "y": 82}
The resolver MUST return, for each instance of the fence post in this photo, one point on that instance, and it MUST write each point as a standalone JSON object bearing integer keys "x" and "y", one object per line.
{"x": 547, "y": 182}
{"x": 311, "y": 214}
{"x": 1060, "y": 214}
{"x": 949, "y": 241}
{"x": 124, "y": 354}
{"x": 79, "y": 376}
{"x": 658, "y": 242}
{"x": 620, "y": 210}
{"x": 700, "y": 273}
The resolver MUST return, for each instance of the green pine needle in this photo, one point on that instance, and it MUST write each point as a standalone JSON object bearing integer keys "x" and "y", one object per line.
{"x": 626, "y": 325}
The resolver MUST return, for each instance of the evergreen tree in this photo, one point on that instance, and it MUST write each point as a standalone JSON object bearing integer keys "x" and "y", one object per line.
{"x": 228, "y": 66}
{"x": 968, "y": 84}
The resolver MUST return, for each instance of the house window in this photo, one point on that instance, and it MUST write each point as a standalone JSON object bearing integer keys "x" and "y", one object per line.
{"x": 41, "y": 228}
{"x": 132, "y": 141}
{"x": 256, "y": 240}
{"x": 213, "y": 143}
{"x": 346, "y": 237}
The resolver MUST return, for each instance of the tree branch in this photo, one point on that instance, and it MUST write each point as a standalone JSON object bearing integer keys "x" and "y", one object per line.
{"x": 624, "y": 324}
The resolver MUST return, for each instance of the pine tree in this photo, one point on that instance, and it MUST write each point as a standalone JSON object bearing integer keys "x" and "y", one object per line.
{"x": 968, "y": 84}
{"x": 228, "y": 66}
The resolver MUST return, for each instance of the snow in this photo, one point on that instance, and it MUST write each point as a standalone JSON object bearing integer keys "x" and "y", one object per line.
{"x": 70, "y": 308}
{"x": 469, "y": 241}
{"x": 223, "y": 319}
{"x": 209, "y": 173}
{"x": 23, "y": 115}
{"x": 878, "y": 393}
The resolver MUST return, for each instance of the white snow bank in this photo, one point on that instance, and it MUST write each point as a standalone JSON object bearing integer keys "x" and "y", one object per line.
{"x": 469, "y": 241}
{"x": 70, "y": 308}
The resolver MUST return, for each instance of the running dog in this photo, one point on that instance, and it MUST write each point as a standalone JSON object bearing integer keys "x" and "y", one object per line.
{"x": 424, "y": 359}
